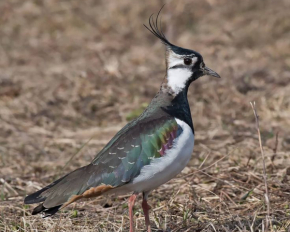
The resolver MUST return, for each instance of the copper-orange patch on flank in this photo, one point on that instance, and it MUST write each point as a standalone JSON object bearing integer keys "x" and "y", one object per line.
{"x": 71, "y": 200}
{"x": 97, "y": 191}
{"x": 92, "y": 192}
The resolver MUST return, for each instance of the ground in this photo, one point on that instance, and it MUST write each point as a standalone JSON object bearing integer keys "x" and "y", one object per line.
{"x": 74, "y": 72}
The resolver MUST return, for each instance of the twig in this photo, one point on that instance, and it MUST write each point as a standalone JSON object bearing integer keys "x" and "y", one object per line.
{"x": 200, "y": 170}
{"x": 227, "y": 196}
{"x": 267, "y": 200}
{"x": 71, "y": 158}
{"x": 4, "y": 182}
{"x": 212, "y": 226}
{"x": 203, "y": 161}
{"x": 253, "y": 223}
{"x": 275, "y": 148}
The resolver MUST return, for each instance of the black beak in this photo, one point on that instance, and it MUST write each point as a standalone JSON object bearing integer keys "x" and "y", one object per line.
{"x": 208, "y": 71}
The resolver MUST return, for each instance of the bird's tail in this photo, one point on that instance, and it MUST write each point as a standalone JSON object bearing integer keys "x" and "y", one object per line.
{"x": 60, "y": 193}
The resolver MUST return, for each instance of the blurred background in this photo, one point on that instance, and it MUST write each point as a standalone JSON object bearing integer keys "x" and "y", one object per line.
{"x": 72, "y": 73}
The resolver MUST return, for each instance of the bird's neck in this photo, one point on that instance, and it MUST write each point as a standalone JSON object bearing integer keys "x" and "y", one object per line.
{"x": 177, "y": 104}
{"x": 166, "y": 87}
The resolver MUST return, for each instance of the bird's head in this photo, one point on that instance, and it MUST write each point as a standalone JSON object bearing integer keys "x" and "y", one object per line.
{"x": 183, "y": 65}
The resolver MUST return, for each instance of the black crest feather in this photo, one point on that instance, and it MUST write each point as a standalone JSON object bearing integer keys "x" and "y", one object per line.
{"x": 157, "y": 30}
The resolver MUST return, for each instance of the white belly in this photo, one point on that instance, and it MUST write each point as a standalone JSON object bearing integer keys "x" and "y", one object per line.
{"x": 166, "y": 167}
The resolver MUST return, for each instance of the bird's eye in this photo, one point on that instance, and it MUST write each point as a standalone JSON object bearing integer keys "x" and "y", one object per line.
{"x": 202, "y": 65}
{"x": 187, "y": 61}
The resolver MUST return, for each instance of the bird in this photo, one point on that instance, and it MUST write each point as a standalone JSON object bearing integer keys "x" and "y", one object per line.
{"x": 146, "y": 153}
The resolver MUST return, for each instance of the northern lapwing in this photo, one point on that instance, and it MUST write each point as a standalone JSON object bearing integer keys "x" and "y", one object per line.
{"x": 147, "y": 152}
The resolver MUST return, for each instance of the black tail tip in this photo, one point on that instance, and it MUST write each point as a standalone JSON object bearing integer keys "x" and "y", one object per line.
{"x": 33, "y": 198}
{"x": 46, "y": 212}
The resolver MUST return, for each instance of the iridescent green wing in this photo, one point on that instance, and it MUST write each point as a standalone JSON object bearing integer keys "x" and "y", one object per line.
{"x": 123, "y": 160}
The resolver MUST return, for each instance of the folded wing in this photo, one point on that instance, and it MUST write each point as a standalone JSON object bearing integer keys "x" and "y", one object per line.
{"x": 121, "y": 160}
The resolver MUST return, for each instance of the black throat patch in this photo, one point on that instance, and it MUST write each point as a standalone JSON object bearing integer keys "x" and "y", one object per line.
{"x": 179, "y": 108}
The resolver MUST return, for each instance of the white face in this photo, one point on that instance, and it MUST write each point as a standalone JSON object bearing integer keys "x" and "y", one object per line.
{"x": 179, "y": 71}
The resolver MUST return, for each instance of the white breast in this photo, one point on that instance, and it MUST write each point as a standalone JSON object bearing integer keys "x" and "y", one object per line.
{"x": 165, "y": 168}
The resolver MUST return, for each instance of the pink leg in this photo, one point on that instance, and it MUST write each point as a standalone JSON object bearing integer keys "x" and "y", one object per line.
{"x": 146, "y": 209}
{"x": 131, "y": 203}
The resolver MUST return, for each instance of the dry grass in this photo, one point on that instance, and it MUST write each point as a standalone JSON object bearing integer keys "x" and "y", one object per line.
{"x": 72, "y": 71}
